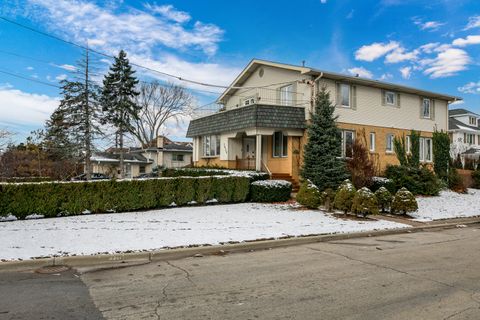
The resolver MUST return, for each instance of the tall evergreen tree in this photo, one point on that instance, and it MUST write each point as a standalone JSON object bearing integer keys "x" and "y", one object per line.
{"x": 118, "y": 100}
{"x": 322, "y": 163}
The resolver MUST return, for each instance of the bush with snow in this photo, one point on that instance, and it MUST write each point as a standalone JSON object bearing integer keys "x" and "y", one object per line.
{"x": 384, "y": 198}
{"x": 404, "y": 202}
{"x": 364, "y": 202}
{"x": 344, "y": 196}
{"x": 270, "y": 190}
{"x": 309, "y": 196}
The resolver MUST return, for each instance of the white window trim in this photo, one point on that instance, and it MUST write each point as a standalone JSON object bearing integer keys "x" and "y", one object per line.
{"x": 389, "y": 151}
{"x": 429, "y": 108}
{"x": 281, "y": 155}
{"x": 248, "y": 101}
{"x": 394, "y": 103}
{"x": 408, "y": 147}
{"x": 423, "y": 149}
{"x": 207, "y": 154}
{"x": 344, "y": 142}
{"x": 373, "y": 142}
{"x": 349, "y": 106}
{"x": 286, "y": 100}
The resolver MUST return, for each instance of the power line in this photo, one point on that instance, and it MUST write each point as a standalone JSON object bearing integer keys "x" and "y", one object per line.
{"x": 133, "y": 64}
{"x": 29, "y": 79}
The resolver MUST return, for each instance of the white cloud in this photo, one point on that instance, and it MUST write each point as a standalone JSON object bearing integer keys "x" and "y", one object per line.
{"x": 386, "y": 76}
{"x": 361, "y": 72}
{"x": 429, "y": 25}
{"x": 133, "y": 30}
{"x": 67, "y": 67}
{"x": 25, "y": 109}
{"x": 30, "y": 68}
{"x": 471, "y": 87}
{"x": 399, "y": 55}
{"x": 61, "y": 77}
{"x": 169, "y": 12}
{"x": 462, "y": 42}
{"x": 429, "y": 47}
{"x": 457, "y": 102}
{"x": 406, "y": 72}
{"x": 473, "y": 22}
{"x": 447, "y": 63}
{"x": 375, "y": 50}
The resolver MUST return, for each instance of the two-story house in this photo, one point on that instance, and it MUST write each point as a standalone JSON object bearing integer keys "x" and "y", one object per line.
{"x": 267, "y": 107}
{"x": 464, "y": 131}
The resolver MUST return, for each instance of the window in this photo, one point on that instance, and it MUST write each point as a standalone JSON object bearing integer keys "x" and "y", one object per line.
{"x": 408, "y": 146}
{"x": 248, "y": 101}
{"x": 389, "y": 146}
{"x": 390, "y": 98}
{"x": 472, "y": 121}
{"x": 372, "y": 141}
{"x": 470, "y": 138}
{"x": 345, "y": 95}
{"x": 286, "y": 95}
{"x": 211, "y": 146}
{"x": 177, "y": 157}
{"x": 426, "y": 112}
{"x": 280, "y": 145}
{"x": 347, "y": 143}
{"x": 142, "y": 169}
{"x": 426, "y": 149}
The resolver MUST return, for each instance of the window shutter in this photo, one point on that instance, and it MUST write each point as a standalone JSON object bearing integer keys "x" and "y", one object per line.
{"x": 432, "y": 111}
{"x": 384, "y": 98}
{"x": 354, "y": 97}
{"x": 464, "y": 138}
{"x": 338, "y": 98}
{"x": 398, "y": 99}
{"x": 421, "y": 108}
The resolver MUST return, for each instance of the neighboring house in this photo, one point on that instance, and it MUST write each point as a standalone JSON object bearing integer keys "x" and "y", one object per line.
{"x": 265, "y": 111}
{"x": 162, "y": 152}
{"x": 464, "y": 131}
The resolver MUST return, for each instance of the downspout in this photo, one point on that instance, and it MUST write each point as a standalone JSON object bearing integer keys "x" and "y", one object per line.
{"x": 314, "y": 89}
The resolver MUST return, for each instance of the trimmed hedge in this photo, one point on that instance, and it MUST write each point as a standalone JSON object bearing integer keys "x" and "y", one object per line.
{"x": 206, "y": 172}
{"x": 271, "y": 191}
{"x": 72, "y": 198}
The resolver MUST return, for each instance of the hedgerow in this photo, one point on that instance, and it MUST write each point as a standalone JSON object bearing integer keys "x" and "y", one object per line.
{"x": 271, "y": 191}
{"x": 72, "y": 198}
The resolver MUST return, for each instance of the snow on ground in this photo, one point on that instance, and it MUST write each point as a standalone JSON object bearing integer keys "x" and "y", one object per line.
{"x": 100, "y": 233}
{"x": 448, "y": 205}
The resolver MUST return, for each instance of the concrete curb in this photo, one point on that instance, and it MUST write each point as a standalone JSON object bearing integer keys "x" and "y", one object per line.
{"x": 174, "y": 254}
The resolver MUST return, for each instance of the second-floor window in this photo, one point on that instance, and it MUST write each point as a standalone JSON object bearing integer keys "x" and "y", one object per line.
{"x": 211, "y": 146}
{"x": 344, "y": 95}
{"x": 426, "y": 109}
{"x": 390, "y": 98}
{"x": 286, "y": 95}
{"x": 472, "y": 121}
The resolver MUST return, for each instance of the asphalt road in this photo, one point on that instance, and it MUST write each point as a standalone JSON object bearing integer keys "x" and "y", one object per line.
{"x": 428, "y": 275}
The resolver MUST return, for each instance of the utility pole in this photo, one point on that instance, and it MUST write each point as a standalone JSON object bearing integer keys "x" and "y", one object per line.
{"x": 88, "y": 138}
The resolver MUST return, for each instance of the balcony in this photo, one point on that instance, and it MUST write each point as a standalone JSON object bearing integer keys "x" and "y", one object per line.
{"x": 267, "y": 96}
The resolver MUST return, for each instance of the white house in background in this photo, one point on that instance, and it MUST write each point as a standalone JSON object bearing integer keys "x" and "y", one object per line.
{"x": 464, "y": 132}
{"x": 162, "y": 153}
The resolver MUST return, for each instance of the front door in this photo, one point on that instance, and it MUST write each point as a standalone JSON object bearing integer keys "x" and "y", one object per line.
{"x": 248, "y": 148}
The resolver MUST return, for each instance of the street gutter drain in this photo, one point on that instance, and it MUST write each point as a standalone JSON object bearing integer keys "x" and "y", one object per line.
{"x": 52, "y": 269}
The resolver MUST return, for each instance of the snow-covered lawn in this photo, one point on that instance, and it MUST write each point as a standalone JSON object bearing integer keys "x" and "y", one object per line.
{"x": 90, "y": 234}
{"x": 448, "y": 205}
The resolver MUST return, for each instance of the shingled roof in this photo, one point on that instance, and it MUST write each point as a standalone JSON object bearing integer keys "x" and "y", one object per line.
{"x": 454, "y": 124}
{"x": 264, "y": 116}
{"x": 460, "y": 111}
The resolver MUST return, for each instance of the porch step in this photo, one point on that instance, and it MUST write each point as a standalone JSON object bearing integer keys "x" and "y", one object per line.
{"x": 286, "y": 177}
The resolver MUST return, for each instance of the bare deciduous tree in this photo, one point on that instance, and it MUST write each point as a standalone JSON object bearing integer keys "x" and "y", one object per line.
{"x": 5, "y": 136}
{"x": 159, "y": 103}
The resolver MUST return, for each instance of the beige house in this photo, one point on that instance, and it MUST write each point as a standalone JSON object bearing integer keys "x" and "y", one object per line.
{"x": 265, "y": 110}
{"x": 162, "y": 153}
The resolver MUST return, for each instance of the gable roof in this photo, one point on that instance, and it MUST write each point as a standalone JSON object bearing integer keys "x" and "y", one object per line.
{"x": 255, "y": 63}
{"x": 460, "y": 111}
{"x": 454, "y": 124}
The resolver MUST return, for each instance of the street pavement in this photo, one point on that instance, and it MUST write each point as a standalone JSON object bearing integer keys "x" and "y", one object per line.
{"x": 427, "y": 275}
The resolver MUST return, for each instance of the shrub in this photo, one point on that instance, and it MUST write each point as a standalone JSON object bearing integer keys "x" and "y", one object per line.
{"x": 384, "y": 198}
{"x": 379, "y": 182}
{"x": 344, "y": 197}
{"x": 360, "y": 166}
{"x": 271, "y": 191}
{"x": 404, "y": 202}
{"x": 441, "y": 154}
{"x": 364, "y": 202}
{"x": 476, "y": 179}
{"x": 455, "y": 181}
{"x": 417, "y": 180}
{"x": 309, "y": 195}
{"x": 70, "y": 198}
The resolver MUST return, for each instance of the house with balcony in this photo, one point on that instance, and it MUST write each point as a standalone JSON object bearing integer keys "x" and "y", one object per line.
{"x": 264, "y": 114}
{"x": 464, "y": 132}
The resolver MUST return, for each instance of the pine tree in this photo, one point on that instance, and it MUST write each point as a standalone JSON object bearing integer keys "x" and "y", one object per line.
{"x": 57, "y": 138}
{"x": 118, "y": 100}
{"x": 76, "y": 120}
{"x": 322, "y": 163}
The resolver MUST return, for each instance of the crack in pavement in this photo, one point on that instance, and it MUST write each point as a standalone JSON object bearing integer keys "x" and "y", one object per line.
{"x": 468, "y": 291}
{"x": 187, "y": 274}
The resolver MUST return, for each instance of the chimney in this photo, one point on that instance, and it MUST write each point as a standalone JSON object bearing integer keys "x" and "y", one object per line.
{"x": 160, "y": 142}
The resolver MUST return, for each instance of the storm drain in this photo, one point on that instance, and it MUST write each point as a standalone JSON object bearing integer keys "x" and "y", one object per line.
{"x": 52, "y": 269}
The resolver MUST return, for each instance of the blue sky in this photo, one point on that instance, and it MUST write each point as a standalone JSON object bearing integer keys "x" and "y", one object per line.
{"x": 432, "y": 44}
